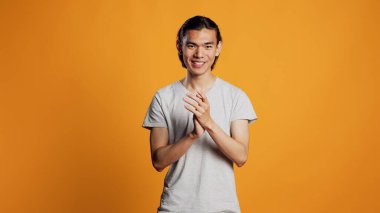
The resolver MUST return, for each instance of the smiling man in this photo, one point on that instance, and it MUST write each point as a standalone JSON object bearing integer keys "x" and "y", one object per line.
{"x": 199, "y": 127}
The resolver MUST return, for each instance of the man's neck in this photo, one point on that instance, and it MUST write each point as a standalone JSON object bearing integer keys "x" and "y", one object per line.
{"x": 200, "y": 83}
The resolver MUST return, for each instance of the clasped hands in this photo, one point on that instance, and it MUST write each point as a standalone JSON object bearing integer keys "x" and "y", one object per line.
{"x": 200, "y": 107}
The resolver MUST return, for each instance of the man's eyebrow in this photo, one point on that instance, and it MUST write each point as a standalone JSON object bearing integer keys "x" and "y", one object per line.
{"x": 190, "y": 42}
{"x": 210, "y": 42}
{"x": 206, "y": 43}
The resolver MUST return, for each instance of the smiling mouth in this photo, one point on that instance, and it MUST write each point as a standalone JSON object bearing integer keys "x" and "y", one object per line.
{"x": 197, "y": 64}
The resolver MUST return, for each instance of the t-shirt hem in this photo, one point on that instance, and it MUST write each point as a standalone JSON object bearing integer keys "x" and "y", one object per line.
{"x": 150, "y": 125}
{"x": 223, "y": 207}
{"x": 250, "y": 120}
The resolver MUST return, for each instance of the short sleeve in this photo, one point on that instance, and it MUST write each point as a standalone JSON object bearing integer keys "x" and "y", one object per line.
{"x": 155, "y": 115}
{"x": 242, "y": 108}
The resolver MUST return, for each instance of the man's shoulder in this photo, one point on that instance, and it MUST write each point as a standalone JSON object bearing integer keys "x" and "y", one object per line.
{"x": 167, "y": 90}
{"x": 229, "y": 87}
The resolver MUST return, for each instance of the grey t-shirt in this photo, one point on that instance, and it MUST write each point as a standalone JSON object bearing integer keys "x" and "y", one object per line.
{"x": 202, "y": 180}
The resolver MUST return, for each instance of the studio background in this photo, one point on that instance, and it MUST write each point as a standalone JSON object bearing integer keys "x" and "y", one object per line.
{"x": 76, "y": 79}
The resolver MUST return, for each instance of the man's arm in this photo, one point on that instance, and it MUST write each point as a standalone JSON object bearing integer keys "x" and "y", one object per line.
{"x": 162, "y": 153}
{"x": 234, "y": 147}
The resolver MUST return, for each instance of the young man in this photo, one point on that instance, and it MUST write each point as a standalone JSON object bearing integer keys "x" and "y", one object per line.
{"x": 199, "y": 126}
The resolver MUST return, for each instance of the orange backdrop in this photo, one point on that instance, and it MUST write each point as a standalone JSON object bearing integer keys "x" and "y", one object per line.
{"x": 76, "y": 78}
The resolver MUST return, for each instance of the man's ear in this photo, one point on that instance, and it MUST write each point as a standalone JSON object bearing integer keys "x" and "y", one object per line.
{"x": 179, "y": 47}
{"x": 219, "y": 48}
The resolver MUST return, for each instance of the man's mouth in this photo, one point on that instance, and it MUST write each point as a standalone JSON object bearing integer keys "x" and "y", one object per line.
{"x": 197, "y": 64}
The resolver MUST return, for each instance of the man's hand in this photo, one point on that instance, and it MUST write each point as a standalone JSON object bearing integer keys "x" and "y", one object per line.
{"x": 198, "y": 129}
{"x": 234, "y": 147}
{"x": 200, "y": 108}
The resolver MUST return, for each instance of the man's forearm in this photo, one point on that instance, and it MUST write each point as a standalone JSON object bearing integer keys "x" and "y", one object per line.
{"x": 231, "y": 148}
{"x": 166, "y": 155}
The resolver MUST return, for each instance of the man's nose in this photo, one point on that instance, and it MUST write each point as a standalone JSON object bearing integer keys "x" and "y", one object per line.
{"x": 199, "y": 53}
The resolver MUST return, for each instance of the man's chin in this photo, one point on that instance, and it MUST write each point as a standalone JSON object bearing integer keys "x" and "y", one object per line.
{"x": 197, "y": 72}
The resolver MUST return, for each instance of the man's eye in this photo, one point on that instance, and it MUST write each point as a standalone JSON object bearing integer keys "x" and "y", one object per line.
{"x": 209, "y": 47}
{"x": 190, "y": 46}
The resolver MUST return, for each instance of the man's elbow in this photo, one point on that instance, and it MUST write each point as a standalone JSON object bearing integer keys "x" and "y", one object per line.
{"x": 242, "y": 157}
{"x": 156, "y": 162}
{"x": 241, "y": 161}
{"x": 158, "y": 167}
{"x": 240, "y": 164}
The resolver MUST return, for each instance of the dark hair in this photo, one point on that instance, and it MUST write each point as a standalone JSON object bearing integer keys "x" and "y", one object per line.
{"x": 197, "y": 23}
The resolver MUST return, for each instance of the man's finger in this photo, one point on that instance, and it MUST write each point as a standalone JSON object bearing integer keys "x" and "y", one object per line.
{"x": 195, "y": 98}
{"x": 192, "y": 103}
{"x": 192, "y": 109}
{"x": 199, "y": 95}
{"x": 203, "y": 96}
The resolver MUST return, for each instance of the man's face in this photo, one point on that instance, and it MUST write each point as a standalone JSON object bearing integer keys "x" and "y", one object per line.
{"x": 199, "y": 49}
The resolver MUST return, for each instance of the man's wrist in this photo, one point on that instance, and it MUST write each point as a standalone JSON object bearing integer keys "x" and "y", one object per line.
{"x": 192, "y": 136}
{"x": 210, "y": 126}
